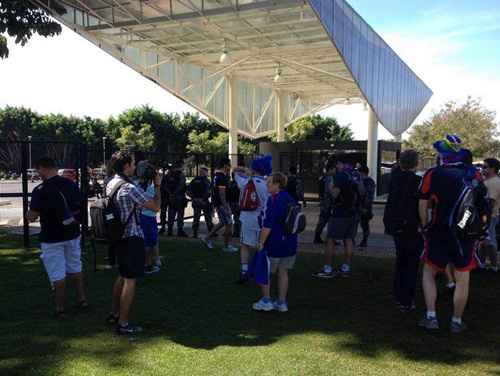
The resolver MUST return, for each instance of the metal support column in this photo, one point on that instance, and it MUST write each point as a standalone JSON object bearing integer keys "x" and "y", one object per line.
{"x": 372, "y": 147}
{"x": 24, "y": 172}
{"x": 280, "y": 117}
{"x": 231, "y": 117}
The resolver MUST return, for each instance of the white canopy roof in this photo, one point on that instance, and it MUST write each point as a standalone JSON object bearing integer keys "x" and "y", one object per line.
{"x": 179, "y": 43}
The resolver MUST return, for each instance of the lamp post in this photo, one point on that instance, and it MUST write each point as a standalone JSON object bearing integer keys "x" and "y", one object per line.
{"x": 104, "y": 152}
{"x": 29, "y": 148}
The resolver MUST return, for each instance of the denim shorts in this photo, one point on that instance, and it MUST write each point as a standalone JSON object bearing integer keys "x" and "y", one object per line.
{"x": 225, "y": 215}
{"x": 150, "y": 229}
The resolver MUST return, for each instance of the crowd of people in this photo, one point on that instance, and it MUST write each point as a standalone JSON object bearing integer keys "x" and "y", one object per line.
{"x": 442, "y": 219}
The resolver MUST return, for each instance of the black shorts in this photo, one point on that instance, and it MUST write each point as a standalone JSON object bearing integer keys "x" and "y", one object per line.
{"x": 131, "y": 257}
{"x": 443, "y": 249}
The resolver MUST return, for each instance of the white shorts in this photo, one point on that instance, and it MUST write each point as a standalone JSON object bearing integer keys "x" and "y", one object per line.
{"x": 250, "y": 232}
{"x": 60, "y": 259}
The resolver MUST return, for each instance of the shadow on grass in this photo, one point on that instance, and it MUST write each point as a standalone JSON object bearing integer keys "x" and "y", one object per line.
{"x": 195, "y": 303}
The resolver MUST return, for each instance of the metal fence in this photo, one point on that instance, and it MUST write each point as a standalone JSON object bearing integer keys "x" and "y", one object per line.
{"x": 17, "y": 159}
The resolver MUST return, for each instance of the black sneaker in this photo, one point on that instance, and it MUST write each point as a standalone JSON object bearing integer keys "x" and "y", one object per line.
{"x": 182, "y": 234}
{"x": 362, "y": 245}
{"x": 456, "y": 328}
{"x": 243, "y": 279}
{"x": 325, "y": 275}
{"x": 128, "y": 329}
{"x": 162, "y": 231}
{"x": 148, "y": 270}
{"x": 318, "y": 240}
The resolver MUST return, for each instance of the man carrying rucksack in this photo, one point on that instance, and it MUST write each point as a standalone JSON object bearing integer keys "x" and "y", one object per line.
{"x": 459, "y": 219}
{"x": 176, "y": 191}
{"x": 366, "y": 205}
{"x": 342, "y": 225}
{"x": 401, "y": 221}
{"x": 199, "y": 192}
{"x": 126, "y": 200}
{"x": 220, "y": 187}
{"x": 325, "y": 201}
{"x": 253, "y": 199}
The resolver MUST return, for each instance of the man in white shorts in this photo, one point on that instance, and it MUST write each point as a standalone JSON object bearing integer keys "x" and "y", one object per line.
{"x": 251, "y": 219}
{"x": 56, "y": 202}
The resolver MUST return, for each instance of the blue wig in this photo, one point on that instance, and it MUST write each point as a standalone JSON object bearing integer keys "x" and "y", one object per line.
{"x": 263, "y": 165}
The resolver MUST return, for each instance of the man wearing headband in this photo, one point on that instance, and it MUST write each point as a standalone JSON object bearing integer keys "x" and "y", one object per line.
{"x": 441, "y": 193}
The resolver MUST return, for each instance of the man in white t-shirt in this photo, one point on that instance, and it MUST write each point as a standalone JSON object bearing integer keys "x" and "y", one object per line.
{"x": 491, "y": 167}
{"x": 251, "y": 220}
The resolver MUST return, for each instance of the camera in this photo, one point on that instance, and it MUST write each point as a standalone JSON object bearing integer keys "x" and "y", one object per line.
{"x": 146, "y": 171}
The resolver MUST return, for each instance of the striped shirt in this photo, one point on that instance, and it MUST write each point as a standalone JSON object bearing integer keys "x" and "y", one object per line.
{"x": 129, "y": 199}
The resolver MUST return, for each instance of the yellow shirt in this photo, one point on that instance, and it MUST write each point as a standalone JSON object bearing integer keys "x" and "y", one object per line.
{"x": 493, "y": 185}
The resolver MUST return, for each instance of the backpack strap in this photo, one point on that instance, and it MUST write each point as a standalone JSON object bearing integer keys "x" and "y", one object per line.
{"x": 112, "y": 196}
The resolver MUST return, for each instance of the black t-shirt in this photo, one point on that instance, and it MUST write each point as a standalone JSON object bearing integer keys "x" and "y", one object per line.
{"x": 221, "y": 180}
{"x": 48, "y": 199}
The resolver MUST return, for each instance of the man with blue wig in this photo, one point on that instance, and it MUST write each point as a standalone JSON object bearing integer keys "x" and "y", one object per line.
{"x": 442, "y": 193}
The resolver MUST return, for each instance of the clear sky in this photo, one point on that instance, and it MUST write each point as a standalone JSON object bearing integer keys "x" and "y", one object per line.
{"x": 453, "y": 45}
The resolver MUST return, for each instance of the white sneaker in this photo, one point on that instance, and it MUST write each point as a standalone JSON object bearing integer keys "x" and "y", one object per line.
{"x": 283, "y": 307}
{"x": 263, "y": 306}
{"x": 230, "y": 249}
{"x": 207, "y": 242}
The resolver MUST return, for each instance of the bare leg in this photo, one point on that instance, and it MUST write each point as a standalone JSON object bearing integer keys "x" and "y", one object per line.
{"x": 348, "y": 247}
{"x": 80, "y": 290}
{"x": 450, "y": 274}
{"x": 266, "y": 290}
{"x": 228, "y": 232}
{"x": 126, "y": 299}
{"x": 429, "y": 286}
{"x": 244, "y": 254}
{"x": 329, "y": 252}
{"x": 283, "y": 283}
{"x": 60, "y": 289}
{"x": 461, "y": 293}
{"x": 117, "y": 293}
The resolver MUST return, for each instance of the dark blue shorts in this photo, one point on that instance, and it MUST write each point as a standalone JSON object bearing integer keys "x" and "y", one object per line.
{"x": 441, "y": 250}
{"x": 150, "y": 230}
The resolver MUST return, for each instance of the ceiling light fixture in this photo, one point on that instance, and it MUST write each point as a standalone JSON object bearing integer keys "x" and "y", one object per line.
{"x": 277, "y": 77}
{"x": 224, "y": 57}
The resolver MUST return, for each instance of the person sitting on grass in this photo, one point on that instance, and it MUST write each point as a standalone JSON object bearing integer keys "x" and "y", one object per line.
{"x": 280, "y": 248}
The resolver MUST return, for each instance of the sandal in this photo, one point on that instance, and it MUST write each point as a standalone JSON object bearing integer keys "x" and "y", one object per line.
{"x": 60, "y": 315}
{"x": 82, "y": 305}
{"x": 112, "y": 319}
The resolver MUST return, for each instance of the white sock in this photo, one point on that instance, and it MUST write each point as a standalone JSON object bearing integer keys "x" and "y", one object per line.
{"x": 327, "y": 269}
{"x": 450, "y": 285}
{"x": 244, "y": 268}
{"x": 456, "y": 320}
{"x": 431, "y": 314}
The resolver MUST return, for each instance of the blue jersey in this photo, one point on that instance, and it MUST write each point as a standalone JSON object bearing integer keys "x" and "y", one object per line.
{"x": 278, "y": 243}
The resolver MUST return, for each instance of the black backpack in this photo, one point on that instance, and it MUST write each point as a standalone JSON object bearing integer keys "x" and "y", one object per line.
{"x": 173, "y": 180}
{"x": 350, "y": 196}
{"x": 397, "y": 209}
{"x": 197, "y": 188}
{"x": 113, "y": 224}
{"x": 471, "y": 214}
{"x": 294, "y": 221}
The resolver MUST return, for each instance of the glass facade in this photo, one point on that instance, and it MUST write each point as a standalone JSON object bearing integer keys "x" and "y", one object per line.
{"x": 393, "y": 90}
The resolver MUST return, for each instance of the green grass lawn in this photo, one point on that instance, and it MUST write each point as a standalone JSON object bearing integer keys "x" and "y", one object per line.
{"x": 197, "y": 322}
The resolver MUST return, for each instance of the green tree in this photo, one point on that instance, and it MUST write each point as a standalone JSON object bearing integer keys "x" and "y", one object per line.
{"x": 206, "y": 143}
{"x": 143, "y": 139}
{"x": 473, "y": 123}
{"x": 317, "y": 128}
{"x": 20, "y": 19}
